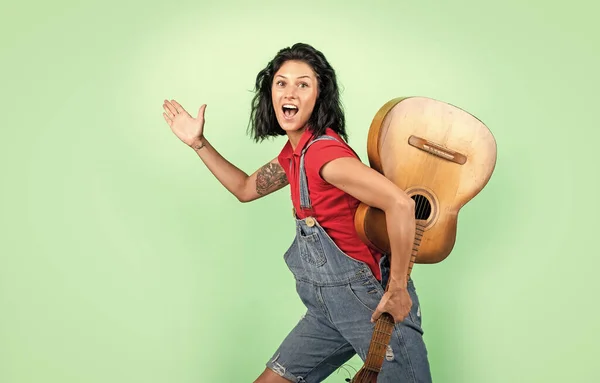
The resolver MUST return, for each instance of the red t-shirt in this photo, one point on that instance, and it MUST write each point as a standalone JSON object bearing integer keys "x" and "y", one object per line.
{"x": 333, "y": 208}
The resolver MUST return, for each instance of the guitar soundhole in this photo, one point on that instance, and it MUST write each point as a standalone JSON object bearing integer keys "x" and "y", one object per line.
{"x": 422, "y": 207}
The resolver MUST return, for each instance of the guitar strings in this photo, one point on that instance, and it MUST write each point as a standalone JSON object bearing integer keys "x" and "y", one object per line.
{"x": 421, "y": 199}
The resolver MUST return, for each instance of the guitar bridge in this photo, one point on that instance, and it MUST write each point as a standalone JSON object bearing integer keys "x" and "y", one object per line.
{"x": 437, "y": 150}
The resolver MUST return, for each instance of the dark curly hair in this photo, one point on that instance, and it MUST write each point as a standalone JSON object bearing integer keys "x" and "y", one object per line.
{"x": 328, "y": 111}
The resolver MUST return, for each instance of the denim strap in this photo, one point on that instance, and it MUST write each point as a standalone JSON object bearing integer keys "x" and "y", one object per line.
{"x": 304, "y": 197}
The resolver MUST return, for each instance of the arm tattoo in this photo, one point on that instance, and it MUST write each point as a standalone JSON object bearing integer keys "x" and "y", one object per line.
{"x": 269, "y": 178}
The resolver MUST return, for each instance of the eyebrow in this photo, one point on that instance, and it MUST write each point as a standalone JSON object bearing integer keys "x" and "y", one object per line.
{"x": 305, "y": 76}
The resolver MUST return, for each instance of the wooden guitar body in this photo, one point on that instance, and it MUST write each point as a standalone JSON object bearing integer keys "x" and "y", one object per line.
{"x": 442, "y": 157}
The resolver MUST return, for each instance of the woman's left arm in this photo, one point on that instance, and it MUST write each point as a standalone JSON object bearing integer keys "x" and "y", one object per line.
{"x": 374, "y": 189}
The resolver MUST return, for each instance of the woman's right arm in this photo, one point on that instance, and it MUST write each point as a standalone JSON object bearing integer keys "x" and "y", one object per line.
{"x": 269, "y": 178}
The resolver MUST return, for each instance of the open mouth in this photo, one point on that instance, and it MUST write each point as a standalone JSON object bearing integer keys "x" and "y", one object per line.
{"x": 289, "y": 110}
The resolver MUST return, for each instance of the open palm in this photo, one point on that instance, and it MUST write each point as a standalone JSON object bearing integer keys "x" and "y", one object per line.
{"x": 187, "y": 128}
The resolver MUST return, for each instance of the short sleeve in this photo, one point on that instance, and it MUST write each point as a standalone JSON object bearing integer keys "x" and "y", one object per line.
{"x": 322, "y": 152}
{"x": 284, "y": 156}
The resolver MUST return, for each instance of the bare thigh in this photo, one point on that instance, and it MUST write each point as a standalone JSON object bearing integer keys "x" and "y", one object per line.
{"x": 268, "y": 376}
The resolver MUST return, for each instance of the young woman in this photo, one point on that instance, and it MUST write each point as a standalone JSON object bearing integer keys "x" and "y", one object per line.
{"x": 339, "y": 279}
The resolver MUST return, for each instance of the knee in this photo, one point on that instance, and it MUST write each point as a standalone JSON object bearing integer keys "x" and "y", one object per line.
{"x": 269, "y": 376}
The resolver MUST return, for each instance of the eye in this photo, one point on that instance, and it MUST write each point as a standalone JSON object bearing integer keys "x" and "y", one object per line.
{"x": 279, "y": 83}
{"x": 303, "y": 85}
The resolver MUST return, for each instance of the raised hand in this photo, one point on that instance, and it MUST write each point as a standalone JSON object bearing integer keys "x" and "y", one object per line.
{"x": 188, "y": 129}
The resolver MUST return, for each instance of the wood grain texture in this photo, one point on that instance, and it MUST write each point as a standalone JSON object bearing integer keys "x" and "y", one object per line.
{"x": 454, "y": 166}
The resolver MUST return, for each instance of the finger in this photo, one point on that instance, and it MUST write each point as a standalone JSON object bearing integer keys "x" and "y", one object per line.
{"x": 178, "y": 107}
{"x": 375, "y": 315}
{"x": 168, "y": 111}
{"x": 168, "y": 106}
{"x": 201, "y": 111}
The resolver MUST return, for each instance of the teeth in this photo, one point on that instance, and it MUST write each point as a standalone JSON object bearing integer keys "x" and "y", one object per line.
{"x": 290, "y": 106}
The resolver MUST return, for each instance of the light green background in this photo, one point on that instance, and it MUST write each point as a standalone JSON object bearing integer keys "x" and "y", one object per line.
{"x": 122, "y": 259}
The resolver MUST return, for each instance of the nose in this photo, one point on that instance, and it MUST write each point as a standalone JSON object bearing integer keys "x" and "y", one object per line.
{"x": 290, "y": 92}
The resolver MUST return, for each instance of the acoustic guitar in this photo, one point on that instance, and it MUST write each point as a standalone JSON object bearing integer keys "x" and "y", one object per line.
{"x": 442, "y": 157}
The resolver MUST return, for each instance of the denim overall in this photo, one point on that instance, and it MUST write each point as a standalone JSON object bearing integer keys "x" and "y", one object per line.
{"x": 340, "y": 294}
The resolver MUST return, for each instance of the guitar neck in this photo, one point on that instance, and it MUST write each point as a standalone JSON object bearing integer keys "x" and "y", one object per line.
{"x": 385, "y": 324}
{"x": 419, "y": 230}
